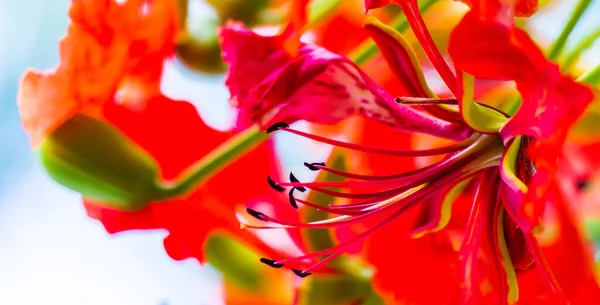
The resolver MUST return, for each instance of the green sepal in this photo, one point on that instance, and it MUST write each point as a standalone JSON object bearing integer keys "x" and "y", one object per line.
{"x": 236, "y": 262}
{"x": 509, "y": 164}
{"x": 478, "y": 117}
{"x": 93, "y": 158}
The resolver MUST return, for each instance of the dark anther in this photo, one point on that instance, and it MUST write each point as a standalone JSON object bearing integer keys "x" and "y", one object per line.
{"x": 301, "y": 273}
{"x": 292, "y": 199}
{"x": 581, "y": 184}
{"x": 274, "y": 185}
{"x": 270, "y": 263}
{"x": 277, "y": 126}
{"x": 312, "y": 166}
{"x": 293, "y": 179}
{"x": 256, "y": 214}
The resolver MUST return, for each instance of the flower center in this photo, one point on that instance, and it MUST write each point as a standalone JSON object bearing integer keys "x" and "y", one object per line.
{"x": 384, "y": 197}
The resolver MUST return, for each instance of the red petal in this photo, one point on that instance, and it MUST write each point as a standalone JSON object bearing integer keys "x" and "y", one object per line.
{"x": 570, "y": 258}
{"x": 520, "y": 8}
{"x": 106, "y": 41}
{"x": 493, "y": 48}
{"x": 485, "y": 263}
{"x": 317, "y": 86}
{"x": 408, "y": 269}
{"x": 176, "y": 136}
{"x": 373, "y": 4}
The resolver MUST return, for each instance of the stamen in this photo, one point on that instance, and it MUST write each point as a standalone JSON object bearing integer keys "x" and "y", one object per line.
{"x": 274, "y": 185}
{"x": 371, "y": 177}
{"x": 339, "y": 211}
{"x": 292, "y": 199}
{"x": 342, "y": 246}
{"x": 329, "y": 258}
{"x": 277, "y": 126}
{"x": 314, "y": 166}
{"x": 396, "y": 202}
{"x": 257, "y": 215}
{"x": 393, "y": 152}
{"x": 293, "y": 179}
{"x": 409, "y": 100}
{"x": 271, "y": 263}
{"x": 301, "y": 273}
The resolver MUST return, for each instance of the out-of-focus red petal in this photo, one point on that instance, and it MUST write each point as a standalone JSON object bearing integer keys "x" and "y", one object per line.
{"x": 520, "y": 8}
{"x": 570, "y": 257}
{"x": 317, "y": 86}
{"x": 105, "y": 42}
{"x": 176, "y": 136}
{"x": 373, "y": 4}
{"x": 495, "y": 50}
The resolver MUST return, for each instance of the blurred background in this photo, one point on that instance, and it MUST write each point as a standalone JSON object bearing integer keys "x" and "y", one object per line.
{"x": 50, "y": 252}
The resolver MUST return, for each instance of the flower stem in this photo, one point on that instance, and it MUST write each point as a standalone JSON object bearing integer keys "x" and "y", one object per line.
{"x": 584, "y": 44}
{"x": 367, "y": 49}
{"x": 559, "y": 45}
{"x": 217, "y": 159}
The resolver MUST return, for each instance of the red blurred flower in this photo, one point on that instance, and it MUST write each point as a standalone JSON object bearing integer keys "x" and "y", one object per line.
{"x": 110, "y": 67}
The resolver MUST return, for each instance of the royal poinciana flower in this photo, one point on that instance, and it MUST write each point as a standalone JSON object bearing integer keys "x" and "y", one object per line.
{"x": 509, "y": 160}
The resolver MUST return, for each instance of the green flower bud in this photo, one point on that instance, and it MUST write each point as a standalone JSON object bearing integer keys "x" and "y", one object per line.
{"x": 93, "y": 158}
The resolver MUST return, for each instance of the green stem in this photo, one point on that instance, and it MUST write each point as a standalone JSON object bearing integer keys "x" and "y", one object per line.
{"x": 217, "y": 159}
{"x": 591, "y": 77}
{"x": 584, "y": 44}
{"x": 366, "y": 50}
{"x": 559, "y": 45}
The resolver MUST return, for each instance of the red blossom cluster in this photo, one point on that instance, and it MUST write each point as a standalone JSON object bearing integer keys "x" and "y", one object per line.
{"x": 470, "y": 193}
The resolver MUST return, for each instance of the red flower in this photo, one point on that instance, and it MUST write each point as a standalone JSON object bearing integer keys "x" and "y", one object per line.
{"x": 498, "y": 245}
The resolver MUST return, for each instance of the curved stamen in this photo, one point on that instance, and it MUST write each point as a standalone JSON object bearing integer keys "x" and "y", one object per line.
{"x": 321, "y": 208}
{"x": 393, "y": 152}
{"x": 274, "y": 185}
{"x": 295, "y": 180}
{"x": 344, "y": 174}
{"x": 409, "y": 100}
{"x": 339, "y": 220}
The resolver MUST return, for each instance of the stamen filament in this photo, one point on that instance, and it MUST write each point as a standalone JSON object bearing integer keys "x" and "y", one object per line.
{"x": 394, "y": 152}
{"x": 409, "y": 100}
{"x": 411, "y": 11}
